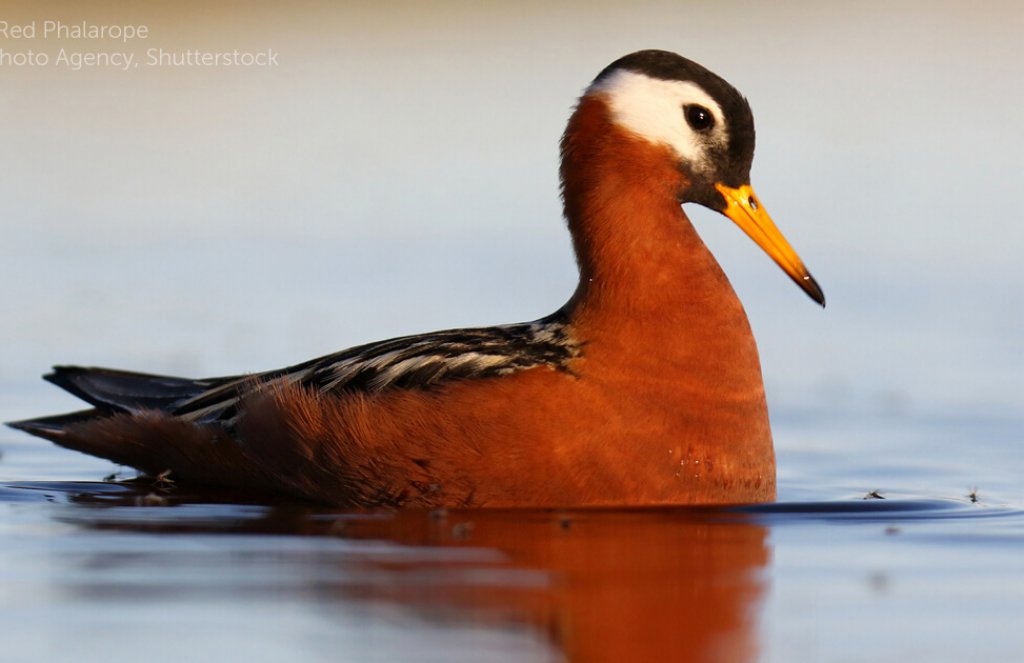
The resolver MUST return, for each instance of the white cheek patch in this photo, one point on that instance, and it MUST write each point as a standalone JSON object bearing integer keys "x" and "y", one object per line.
{"x": 652, "y": 109}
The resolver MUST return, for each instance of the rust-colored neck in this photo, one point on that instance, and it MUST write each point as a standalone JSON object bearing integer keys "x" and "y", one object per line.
{"x": 647, "y": 283}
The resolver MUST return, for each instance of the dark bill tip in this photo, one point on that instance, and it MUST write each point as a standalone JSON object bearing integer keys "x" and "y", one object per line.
{"x": 811, "y": 287}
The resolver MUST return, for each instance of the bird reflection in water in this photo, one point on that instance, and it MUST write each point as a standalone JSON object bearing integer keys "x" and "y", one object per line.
{"x": 598, "y": 585}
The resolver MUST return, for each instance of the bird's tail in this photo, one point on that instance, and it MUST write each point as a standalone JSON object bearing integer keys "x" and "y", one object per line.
{"x": 133, "y": 422}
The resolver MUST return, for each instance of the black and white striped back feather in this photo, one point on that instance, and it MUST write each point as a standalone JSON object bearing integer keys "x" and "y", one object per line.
{"x": 410, "y": 362}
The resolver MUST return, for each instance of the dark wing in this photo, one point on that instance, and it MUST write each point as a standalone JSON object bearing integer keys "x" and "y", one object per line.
{"x": 128, "y": 391}
{"x": 409, "y": 362}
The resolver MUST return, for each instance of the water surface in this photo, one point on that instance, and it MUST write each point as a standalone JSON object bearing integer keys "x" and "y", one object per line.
{"x": 865, "y": 558}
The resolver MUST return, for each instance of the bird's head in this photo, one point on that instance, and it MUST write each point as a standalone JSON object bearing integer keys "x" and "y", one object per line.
{"x": 708, "y": 128}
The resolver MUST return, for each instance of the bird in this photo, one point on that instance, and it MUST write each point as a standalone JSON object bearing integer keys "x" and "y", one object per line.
{"x": 643, "y": 389}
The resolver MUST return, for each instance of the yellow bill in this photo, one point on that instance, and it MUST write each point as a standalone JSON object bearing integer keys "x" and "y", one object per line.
{"x": 743, "y": 207}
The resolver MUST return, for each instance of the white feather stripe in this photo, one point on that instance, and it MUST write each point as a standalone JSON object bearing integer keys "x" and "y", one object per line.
{"x": 652, "y": 109}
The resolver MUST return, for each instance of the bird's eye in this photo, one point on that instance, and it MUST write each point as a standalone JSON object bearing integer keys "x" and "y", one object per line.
{"x": 698, "y": 117}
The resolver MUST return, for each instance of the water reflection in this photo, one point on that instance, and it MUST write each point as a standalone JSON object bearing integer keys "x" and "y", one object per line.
{"x": 645, "y": 586}
{"x": 681, "y": 585}
{"x": 85, "y": 565}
